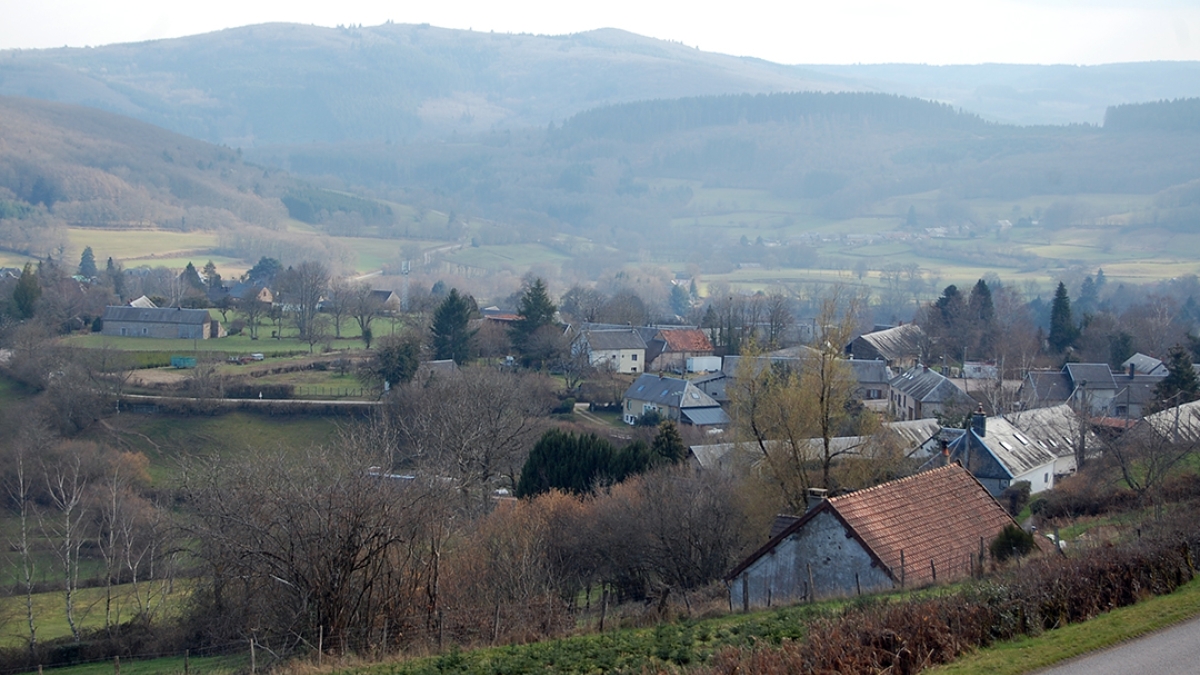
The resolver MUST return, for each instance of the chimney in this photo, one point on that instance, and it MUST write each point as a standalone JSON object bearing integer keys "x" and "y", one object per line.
{"x": 1132, "y": 371}
{"x": 979, "y": 422}
{"x": 815, "y": 497}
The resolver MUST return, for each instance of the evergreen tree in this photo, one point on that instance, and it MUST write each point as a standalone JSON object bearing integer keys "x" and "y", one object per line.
{"x": 681, "y": 301}
{"x": 191, "y": 277}
{"x": 981, "y": 313}
{"x": 211, "y": 278}
{"x": 116, "y": 276}
{"x": 26, "y": 293}
{"x": 667, "y": 445}
{"x": 1181, "y": 384}
{"x": 87, "y": 264}
{"x": 536, "y": 311}
{"x": 1063, "y": 330}
{"x": 451, "y": 335}
{"x": 264, "y": 271}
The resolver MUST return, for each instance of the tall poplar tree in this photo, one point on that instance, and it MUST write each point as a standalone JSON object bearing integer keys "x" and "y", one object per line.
{"x": 26, "y": 292}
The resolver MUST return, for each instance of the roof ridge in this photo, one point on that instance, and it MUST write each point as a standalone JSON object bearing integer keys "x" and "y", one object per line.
{"x": 891, "y": 482}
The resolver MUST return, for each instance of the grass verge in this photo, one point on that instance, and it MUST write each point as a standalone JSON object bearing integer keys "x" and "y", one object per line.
{"x": 1029, "y": 654}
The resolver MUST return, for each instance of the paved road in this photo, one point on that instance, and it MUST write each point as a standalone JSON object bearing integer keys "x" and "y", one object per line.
{"x": 1174, "y": 651}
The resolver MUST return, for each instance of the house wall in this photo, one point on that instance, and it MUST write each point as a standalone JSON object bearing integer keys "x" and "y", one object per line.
{"x": 822, "y": 545}
{"x": 635, "y": 408}
{"x": 1040, "y": 479}
{"x": 620, "y": 360}
{"x": 155, "y": 330}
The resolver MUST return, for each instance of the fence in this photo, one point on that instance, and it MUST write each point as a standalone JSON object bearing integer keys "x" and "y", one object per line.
{"x": 320, "y": 391}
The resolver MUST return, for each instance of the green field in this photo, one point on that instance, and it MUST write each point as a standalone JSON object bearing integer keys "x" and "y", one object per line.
{"x": 50, "y": 613}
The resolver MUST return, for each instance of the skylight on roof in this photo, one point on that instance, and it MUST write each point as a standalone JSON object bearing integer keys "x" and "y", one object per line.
{"x": 1006, "y": 446}
{"x": 1053, "y": 442}
{"x": 1024, "y": 441}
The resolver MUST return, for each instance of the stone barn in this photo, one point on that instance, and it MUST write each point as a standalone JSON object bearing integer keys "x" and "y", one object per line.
{"x": 924, "y": 529}
{"x": 158, "y": 322}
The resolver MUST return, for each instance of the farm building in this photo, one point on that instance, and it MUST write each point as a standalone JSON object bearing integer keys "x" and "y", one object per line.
{"x": 915, "y": 531}
{"x": 160, "y": 322}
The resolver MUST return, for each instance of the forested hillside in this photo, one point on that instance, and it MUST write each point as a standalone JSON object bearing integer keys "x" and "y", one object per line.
{"x": 288, "y": 83}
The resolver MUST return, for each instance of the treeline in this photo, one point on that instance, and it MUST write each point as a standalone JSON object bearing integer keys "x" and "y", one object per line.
{"x": 642, "y": 120}
{"x": 315, "y": 206}
{"x": 1179, "y": 115}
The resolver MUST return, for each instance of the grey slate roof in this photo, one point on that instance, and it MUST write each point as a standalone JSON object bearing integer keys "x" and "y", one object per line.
{"x": 1180, "y": 424}
{"x": 1015, "y": 451}
{"x": 626, "y": 338}
{"x": 927, "y": 386}
{"x": 896, "y": 343}
{"x": 1138, "y": 390}
{"x": 1055, "y": 429}
{"x": 1096, "y": 375}
{"x": 1144, "y": 364}
{"x": 1046, "y": 386}
{"x": 170, "y": 315}
{"x": 670, "y": 392}
{"x": 705, "y": 417}
{"x": 868, "y": 371}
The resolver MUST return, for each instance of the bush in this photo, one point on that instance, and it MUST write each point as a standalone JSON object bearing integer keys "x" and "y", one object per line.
{"x": 650, "y": 418}
{"x": 564, "y": 407}
{"x": 1011, "y": 542}
{"x": 1015, "y": 497}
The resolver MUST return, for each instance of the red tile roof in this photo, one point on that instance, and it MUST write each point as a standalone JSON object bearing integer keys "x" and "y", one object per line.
{"x": 686, "y": 340}
{"x": 939, "y": 516}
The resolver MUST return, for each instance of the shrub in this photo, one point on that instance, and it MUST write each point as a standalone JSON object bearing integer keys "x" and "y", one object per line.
{"x": 1015, "y": 497}
{"x": 1011, "y": 542}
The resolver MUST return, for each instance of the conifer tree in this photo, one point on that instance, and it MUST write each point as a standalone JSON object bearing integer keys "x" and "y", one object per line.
{"x": 1181, "y": 384}
{"x": 667, "y": 445}
{"x": 451, "y": 335}
{"x": 536, "y": 311}
{"x": 1063, "y": 330}
{"x": 87, "y": 264}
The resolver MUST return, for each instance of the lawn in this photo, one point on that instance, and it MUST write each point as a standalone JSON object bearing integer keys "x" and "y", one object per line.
{"x": 234, "y": 344}
{"x": 50, "y": 613}
{"x": 168, "y": 439}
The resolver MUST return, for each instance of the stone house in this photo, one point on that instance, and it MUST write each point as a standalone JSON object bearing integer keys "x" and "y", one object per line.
{"x": 1037, "y": 446}
{"x": 621, "y": 351}
{"x": 928, "y": 528}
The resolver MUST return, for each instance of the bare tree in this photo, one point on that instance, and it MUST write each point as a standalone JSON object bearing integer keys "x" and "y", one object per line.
{"x": 66, "y": 487}
{"x": 303, "y": 287}
{"x": 340, "y": 304}
{"x": 364, "y": 306}
{"x": 321, "y": 544}
{"x": 475, "y": 426}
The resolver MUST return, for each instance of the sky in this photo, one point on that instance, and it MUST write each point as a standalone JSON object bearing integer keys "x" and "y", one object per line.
{"x": 936, "y": 32}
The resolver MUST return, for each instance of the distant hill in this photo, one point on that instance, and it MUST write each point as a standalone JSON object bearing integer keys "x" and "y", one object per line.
{"x": 1181, "y": 115}
{"x": 286, "y": 83}
{"x": 290, "y": 83}
{"x": 71, "y": 166}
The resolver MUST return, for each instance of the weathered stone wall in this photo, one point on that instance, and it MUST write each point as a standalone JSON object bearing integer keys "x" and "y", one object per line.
{"x": 822, "y": 551}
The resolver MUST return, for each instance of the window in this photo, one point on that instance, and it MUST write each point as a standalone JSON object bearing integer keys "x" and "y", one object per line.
{"x": 634, "y": 357}
{"x": 1046, "y": 478}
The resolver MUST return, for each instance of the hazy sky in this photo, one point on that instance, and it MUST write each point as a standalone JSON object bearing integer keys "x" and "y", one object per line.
{"x": 795, "y": 31}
